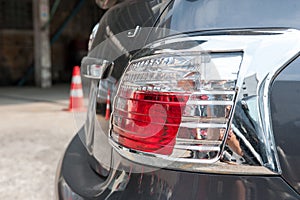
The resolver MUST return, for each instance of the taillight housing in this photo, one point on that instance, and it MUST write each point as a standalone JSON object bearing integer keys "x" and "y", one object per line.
{"x": 197, "y": 102}
{"x": 177, "y": 105}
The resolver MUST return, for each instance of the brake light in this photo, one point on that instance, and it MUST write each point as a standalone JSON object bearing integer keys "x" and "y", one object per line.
{"x": 176, "y": 105}
{"x": 150, "y": 121}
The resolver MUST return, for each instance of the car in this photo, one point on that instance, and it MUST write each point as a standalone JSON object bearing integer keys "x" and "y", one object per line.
{"x": 190, "y": 99}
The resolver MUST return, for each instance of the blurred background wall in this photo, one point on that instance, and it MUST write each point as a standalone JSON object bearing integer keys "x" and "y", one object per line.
{"x": 70, "y": 24}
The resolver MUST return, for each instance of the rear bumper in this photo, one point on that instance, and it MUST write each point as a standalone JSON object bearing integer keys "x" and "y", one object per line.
{"x": 77, "y": 180}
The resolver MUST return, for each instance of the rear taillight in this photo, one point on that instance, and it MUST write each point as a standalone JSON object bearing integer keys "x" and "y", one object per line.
{"x": 177, "y": 105}
{"x": 197, "y": 102}
{"x": 150, "y": 120}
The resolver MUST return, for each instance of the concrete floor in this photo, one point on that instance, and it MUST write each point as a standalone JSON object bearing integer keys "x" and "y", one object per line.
{"x": 34, "y": 131}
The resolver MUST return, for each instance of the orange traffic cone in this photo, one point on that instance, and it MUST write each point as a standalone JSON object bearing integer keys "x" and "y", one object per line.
{"x": 107, "y": 113}
{"x": 76, "y": 93}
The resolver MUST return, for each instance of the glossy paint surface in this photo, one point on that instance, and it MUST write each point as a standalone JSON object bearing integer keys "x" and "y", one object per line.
{"x": 285, "y": 111}
{"x": 229, "y": 14}
{"x": 161, "y": 184}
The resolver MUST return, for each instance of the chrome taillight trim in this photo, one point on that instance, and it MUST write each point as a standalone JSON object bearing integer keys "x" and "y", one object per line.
{"x": 204, "y": 125}
{"x": 264, "y": 56}
{"x": 265, "y": 103}
{"x": 201, "y": 102}
{"x": 215, "y": 167}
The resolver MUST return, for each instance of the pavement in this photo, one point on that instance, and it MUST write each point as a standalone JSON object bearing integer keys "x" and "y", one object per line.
{"x": 34, "y": 131}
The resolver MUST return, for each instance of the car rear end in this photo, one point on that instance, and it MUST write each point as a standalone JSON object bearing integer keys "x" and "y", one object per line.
{"x": 195, "y": 115}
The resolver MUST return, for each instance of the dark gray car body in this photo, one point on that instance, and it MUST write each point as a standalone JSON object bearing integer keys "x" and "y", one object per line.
{"x": 82, "y": 176}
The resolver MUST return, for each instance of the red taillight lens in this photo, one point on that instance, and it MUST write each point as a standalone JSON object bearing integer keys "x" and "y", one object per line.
{"x": 150, "y": 121}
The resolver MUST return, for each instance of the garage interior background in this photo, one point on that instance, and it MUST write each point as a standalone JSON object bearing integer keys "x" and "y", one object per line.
{"x": 70, "y": 27}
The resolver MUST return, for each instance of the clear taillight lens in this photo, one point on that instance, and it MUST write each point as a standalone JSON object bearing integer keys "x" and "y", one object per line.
{"x": 177, "y": 105}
